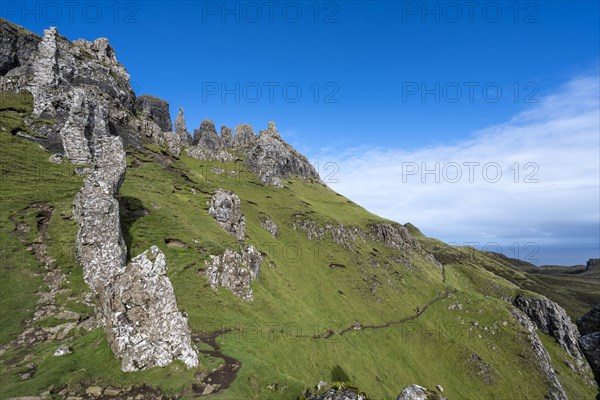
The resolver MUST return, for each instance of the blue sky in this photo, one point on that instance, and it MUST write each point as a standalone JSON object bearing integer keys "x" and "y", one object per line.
{"x": 406, "y": 81}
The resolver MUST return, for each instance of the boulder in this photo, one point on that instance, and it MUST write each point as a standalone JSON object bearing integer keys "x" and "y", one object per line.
{"x": 225, "y": 207}
{"x": 235, "y": 271}
{"x": 416, "y": 392}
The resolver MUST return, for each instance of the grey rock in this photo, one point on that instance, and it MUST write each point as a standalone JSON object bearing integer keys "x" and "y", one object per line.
{"x": 138, "y": 304}
{"x": 225, "y": 207}
{"x": 17, "y": 47}
{"x": 206, "y": 137}
{"x": 95, "y": 391}
{"x": 181, "y": 129}
{"x": 100, "y": 246}
{"x": 555, "y": 390}
{"x": 337, "y": 392}
{"x": 589, "y": 342}
{"x": 155, "y": 108}
{"x": 235, "y": 271}
{"x": 243, "y": 136}
{"x": 590, "y": 345}
{"x": 272, "y": 160}
{"x": 589, "y": 322}
{"x": 394, "y": 235}
{"x": 551, "y": 319}
{"x": 270, "y": 226}
{"x": 62, "y": 350}
{"x": 416, "y": 392}
{"x": 144, "y": 326}
{"x": 202, "y": 153}
{"x": 226, "y": 137}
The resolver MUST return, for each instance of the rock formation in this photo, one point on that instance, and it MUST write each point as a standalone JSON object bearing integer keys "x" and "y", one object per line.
{"x": 225, "y": 207}
{"x": 156, "y": 109}
{"x": 226, "y": 137}
{"x": 272, "y": 159}
{"x": 206, "y": 136}
{"x": 394, "y": 235}
{"x": 555, "y": 390}
{"x": 416, "y": 392}
{"x": 100, "y": 246}
{"x": 589, "y": 342}
{"x": 144, "y": 326}
{"x": 270, "y": 226}
{"x": 243, "y": 136}
{"x": 551, "y": 319}
{"x": 138, "y": 304}
{"x": 235, "y": 271}
{"x": 181, "y": 129}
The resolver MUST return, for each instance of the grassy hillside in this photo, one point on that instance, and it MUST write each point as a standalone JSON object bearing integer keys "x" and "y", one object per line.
{"x": 464, "y": 338}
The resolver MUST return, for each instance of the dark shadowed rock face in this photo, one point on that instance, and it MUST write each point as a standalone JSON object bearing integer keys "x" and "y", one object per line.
{"x": 155, "y": 108}
{"x": 551, "y": 319}
{"x": 272, "y": 159}
{"x": 589, "y": 327}
{"x": 17, "y": 48}
{"x": 225, "y": 207}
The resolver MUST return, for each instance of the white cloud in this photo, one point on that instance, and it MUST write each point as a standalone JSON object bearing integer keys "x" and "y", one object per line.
{"x": 559, "y": 137}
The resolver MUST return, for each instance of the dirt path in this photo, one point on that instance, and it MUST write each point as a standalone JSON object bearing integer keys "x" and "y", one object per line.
{"x": 224, "y": 376}
{"x": 357, "y": 327}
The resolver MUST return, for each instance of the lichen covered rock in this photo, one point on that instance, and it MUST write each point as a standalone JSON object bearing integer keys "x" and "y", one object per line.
{"x": 235, "y": 271}
{"x": 144, "y": 326}
{"x": 225, "y": 207}
{"x": 155, "y": 108}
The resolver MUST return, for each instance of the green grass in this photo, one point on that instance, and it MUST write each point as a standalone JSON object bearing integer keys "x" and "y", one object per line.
{"x": 298, "y": 294}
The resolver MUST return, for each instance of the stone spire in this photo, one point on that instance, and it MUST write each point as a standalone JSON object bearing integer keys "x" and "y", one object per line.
{"x": 181, "y": 128}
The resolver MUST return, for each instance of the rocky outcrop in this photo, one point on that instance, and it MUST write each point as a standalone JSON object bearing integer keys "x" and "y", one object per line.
{"x": 18, "y": 48}
{"x": 555, "y": 390}
{"x": 270, "y": 226}
{"x": 57, "y": 72}
{"x": 272, "y": 160}
{"x": 100, "y": 246}
{"x": 416, "y": 392}
{"x": 235, "y": 271}
{"x": 138, "y": 304}
{"x": 144, "y": 326}
{"x": 156, "y": 109}
{"x": 551, "y": 319}
{"x": 226, "y": 137}
{"x": 181, "y": 129}
{"x": 589, "y": 342}
{"x": 243, "y": 136}
{"x": 225, "y": 207}
{"x": 394, "y": 235}
{"x": 206, "y": 137}
{"x": 335, "y": 391}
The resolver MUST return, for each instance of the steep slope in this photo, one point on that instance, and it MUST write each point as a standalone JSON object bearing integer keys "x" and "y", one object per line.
{"x": 338, "y": 293}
